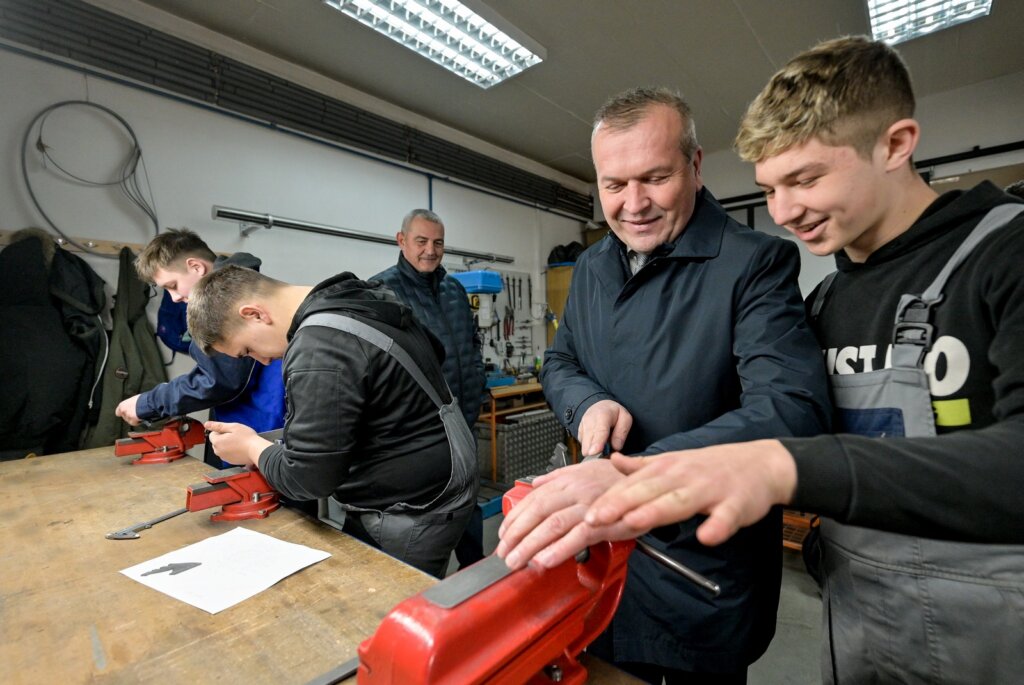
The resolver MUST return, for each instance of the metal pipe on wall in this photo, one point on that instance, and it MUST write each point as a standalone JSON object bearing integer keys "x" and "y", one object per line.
{"x": 250, "y": 221}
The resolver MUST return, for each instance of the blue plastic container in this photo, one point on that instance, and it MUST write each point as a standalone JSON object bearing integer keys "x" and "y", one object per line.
{"x": 479, "y": 281}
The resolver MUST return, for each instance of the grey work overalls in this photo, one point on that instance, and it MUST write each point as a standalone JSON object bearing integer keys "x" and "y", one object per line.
{"x": 904, "y": 609}
{"x": 420, "y": 535}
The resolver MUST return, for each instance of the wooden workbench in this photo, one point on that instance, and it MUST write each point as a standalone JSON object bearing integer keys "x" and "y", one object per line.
{"x": 68, "y": 616}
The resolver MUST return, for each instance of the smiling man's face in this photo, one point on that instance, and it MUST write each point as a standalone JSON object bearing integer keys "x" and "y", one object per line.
{"x": 830, "y": 197}
{"x": 647, "y": 186}
{"x": 423, "y": 244}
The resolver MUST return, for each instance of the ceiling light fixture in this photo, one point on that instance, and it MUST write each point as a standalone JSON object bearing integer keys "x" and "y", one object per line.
{"x": 896, "y": 21}
{"x": 450, "y": 34}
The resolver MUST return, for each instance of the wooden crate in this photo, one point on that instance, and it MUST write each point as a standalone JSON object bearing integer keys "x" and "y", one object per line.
{"x": 795, "y": 525}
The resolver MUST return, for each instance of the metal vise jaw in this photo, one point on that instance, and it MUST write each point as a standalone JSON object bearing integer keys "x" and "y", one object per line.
{"x": 164, "y": 445}
{"x": 487, "y": 624}
{"x": 240, "y": 493}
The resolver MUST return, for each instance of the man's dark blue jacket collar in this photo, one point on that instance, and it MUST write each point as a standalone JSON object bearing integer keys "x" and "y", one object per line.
{"x": 432, "y": 279}
{"x": 701, "y": 239}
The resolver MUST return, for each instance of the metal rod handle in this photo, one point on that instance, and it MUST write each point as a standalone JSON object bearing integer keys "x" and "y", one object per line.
{"x": 682, "y": 570}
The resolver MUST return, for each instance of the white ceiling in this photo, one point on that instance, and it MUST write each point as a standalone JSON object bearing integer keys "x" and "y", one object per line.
{"x": 718, "y": 53}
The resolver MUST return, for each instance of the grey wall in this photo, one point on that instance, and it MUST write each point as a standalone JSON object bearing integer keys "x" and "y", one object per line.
{"x": 196, "y": 158}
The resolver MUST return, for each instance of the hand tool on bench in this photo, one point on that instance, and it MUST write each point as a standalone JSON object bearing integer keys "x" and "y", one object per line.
{"x": 239, "y": 492}
{"x": 487, "y": 624}
{"x": 163, "y": 445}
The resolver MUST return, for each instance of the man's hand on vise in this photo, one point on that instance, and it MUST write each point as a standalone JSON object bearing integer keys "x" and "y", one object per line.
{"x": 126, "y": 410}
{"x": 735, "y": 485}
{"x": 547, "y": 526}
{"x": 236, "y": 443}
{"x": 605, "y": 422}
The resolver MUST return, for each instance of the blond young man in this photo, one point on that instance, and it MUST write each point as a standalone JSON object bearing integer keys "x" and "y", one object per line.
{"x": 237, "y": 390}
{"x": 923, "y": 563}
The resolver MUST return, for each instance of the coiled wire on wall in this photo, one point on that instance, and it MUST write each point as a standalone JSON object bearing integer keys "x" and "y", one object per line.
{"x": 127, "y": 180}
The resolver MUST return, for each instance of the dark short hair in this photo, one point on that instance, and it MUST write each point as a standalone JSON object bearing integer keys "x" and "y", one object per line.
{"x": 214, "y": 299}
{"x": 625, "y": 110}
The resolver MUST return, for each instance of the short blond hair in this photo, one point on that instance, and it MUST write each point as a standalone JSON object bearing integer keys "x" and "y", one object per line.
{"x": 169, "y": 249}
{"x": 623, "y": 111}
{"x": 213, "y": 302}
{"x": 846, "y": 91}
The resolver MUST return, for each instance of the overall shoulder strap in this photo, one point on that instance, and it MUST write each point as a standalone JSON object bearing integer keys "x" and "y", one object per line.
{"x": 378, "y": 339}
{"x": 819, "y": 299}
{"x": 996, "y": 218}
{"x": 913, "y": 331}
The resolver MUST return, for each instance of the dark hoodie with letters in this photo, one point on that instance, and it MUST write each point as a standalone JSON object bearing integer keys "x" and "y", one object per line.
{"x": 358, "y": 426}
{"x": 966, "y": 483}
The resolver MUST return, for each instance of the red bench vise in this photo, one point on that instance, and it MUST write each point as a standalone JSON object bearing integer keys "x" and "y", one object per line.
{"x": 240, "y": 493}
{"x": 486, "y": 624}
{"x": 164, "y": 445}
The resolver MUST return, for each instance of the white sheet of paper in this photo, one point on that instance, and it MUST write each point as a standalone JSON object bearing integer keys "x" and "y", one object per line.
{"x": 221, "y": 571}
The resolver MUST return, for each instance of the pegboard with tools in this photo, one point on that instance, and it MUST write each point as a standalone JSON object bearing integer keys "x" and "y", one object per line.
{"x": 508, "y": 324}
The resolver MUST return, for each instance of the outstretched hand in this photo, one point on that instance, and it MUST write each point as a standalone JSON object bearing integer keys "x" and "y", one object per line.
{"x": 548, "y": 527}
{"x": 735, "y": 485}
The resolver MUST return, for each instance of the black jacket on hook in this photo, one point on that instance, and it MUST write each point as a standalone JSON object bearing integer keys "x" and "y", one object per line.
{"x": 53, "y": 343}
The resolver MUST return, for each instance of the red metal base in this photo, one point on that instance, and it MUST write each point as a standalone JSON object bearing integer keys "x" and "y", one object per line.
{"x": 240, "y": 511}
{"x": 161, "y": 446}
{"x": 240, "y": 493}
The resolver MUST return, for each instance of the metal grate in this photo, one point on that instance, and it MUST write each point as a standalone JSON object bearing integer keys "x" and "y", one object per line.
{"x": 75, "y": 30}
{"x": 525, "y": 444}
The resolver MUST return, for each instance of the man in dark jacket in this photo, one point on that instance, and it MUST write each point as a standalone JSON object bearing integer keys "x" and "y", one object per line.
{"x": 682, "y": 328}
{"x": 440, "y": 304}
{"x": 233, "y": 389}
{"x": 371, "y": 426}
{"x": 922, "y": 332}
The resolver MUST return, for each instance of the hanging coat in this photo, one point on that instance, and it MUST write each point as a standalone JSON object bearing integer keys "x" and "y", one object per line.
{"x": 135, "y": 364}
{"x": 41, "y": 368}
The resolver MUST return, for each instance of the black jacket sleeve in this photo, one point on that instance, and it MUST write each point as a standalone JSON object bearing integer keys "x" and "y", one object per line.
{"x": 567, "y": 387}
{"x": 964, "y": 485}
{"x": 326, "y": 390}
{"x": 961, "y": 486}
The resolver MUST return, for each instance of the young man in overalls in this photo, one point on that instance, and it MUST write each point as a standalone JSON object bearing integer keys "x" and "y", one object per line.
{"x": 922, "y": 334}
{"x": 371, "y": 429}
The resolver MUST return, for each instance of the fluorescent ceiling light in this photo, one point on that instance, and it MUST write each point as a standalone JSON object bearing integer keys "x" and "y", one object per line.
{"x": 451, "y": 34}
{"x": 895, "y": 21}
